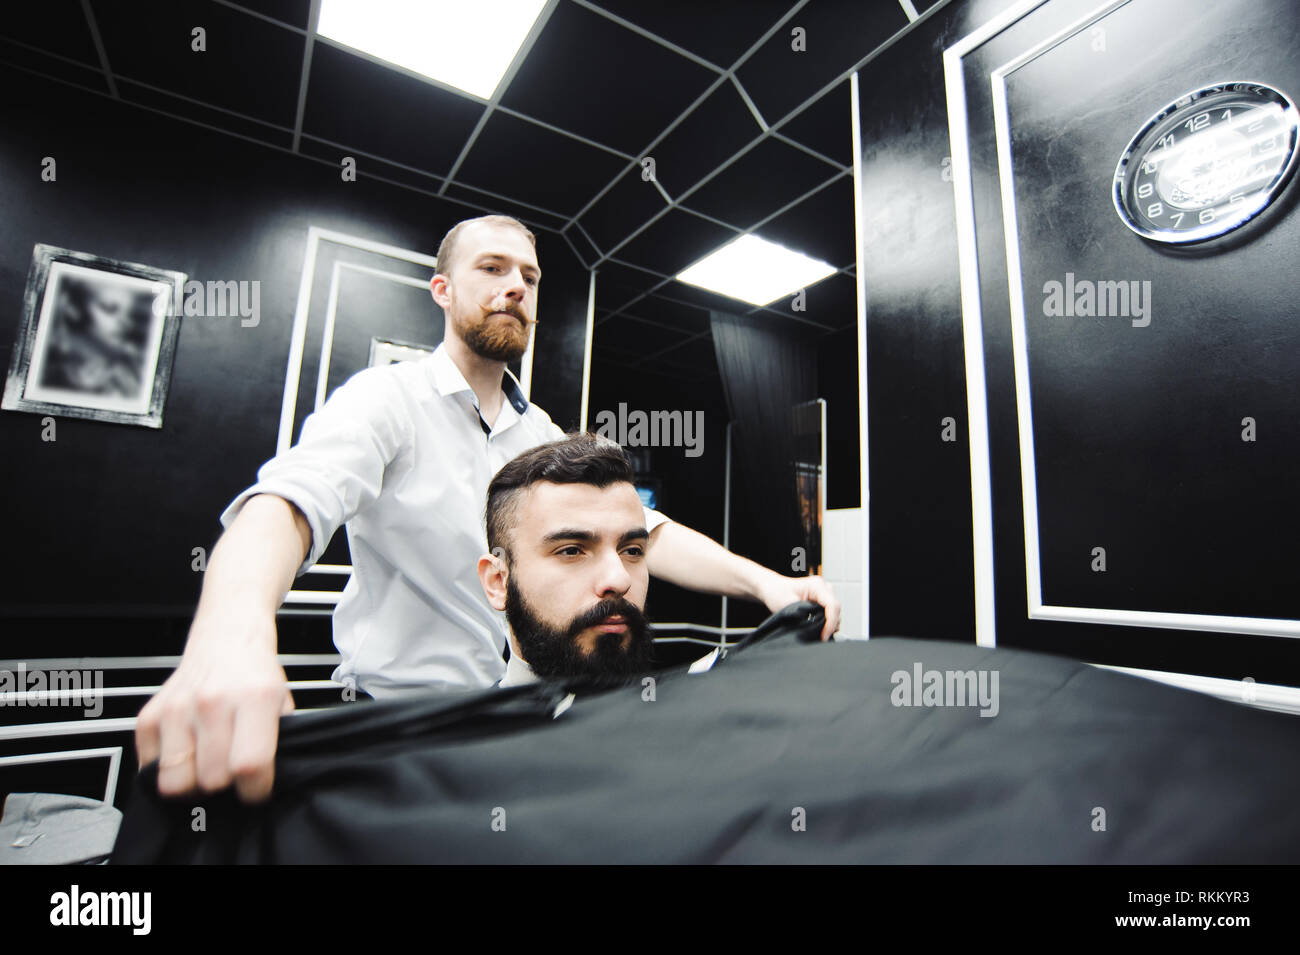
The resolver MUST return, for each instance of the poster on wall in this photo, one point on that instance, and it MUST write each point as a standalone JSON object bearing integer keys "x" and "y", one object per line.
{"x": 97, "y": 339}
{"x": 386, "y": 351}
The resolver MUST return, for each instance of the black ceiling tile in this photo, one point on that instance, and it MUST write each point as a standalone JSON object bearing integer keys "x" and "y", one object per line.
{"x": 606, "y": 354}
{"x": 612, "y": 297}
{"x": 586, "y": 249}
{"x": 372, "y": 168}
{"x": 530, "y": 163}
{"x": 640, "y": 338}
{"x": 621, "y": 211}
{"x": 837, "y": 35}
{"x": 134, "y": 93}
{"x": 826, "y": 126}
{"x": 687, "y": 318}
{"x": 697, "y": 356}
{"x": 714, "y": 131}
{"x": 249, "y": 66}
{"x": 922, "y": 5}
{"x": 675, "y": 241}
{"x": 23, "y": 58}
{"x": 617, "y": 273}
{"x": 58, "y": 26}
{"x": 526, "y": 214}
{"x": 293, "y": 12}
{"x": 821, "y": 226}
{"x": 766, "y": 178}
{"x": 362, "y": 104}
{"x": 600, "y": 80}
{"x": 718, "y": 32}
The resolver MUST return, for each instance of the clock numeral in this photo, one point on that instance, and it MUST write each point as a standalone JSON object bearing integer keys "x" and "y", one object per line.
{"x": 1227, "y": 114}
{"x": 1264, "y": 145}
{"x": 1165, "y": 141}
{"x": 1145, "y": 190}
{"x": 1207, "y": 215}
{"x": 1198, "y": 122}
{"x": 1236, "y": 197}
{"x": 1155, "y": 210}
{"x": 1148, "y": 166}
{"x": 1178, "y": 218}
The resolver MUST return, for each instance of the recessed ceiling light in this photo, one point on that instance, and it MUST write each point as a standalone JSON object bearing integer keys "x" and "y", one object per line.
{"x": 755, "y": 271}
{"x": 466, "y": 45}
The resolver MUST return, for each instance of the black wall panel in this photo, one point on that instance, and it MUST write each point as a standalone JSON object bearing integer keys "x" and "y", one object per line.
{"x": 105, "y": 517}
{"x": 1136, "y": 429}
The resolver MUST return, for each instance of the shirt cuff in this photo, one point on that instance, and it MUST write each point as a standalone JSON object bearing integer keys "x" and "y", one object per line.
{"x": 653, "y": 518}
{"x": 295, "y": 497}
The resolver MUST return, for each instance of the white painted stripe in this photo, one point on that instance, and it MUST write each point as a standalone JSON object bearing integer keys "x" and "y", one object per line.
{"x": 112, "y": 753}
{"x": 586, "y": 350}
{"x": 148, "y": 662}
{"x": 1270, "y": 696}
{"x": 860, "y": 278}
{"x": 25, "y": 698}
{"x": 972, "y": 318}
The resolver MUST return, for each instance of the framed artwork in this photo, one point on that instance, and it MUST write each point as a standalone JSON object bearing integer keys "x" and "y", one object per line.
{"x": 386, "y": 351}
{"x": 97, "y": 340}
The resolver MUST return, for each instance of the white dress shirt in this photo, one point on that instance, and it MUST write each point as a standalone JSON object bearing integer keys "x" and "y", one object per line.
{"x": 401, "y": 455}
{"x": 518, "y": 672}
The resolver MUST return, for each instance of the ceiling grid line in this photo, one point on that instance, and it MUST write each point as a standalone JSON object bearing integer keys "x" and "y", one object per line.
{"x": 652, "y": 37}
{"x": 98, "y": 40}
{"x": 313, "y": 21}
{"x": 690, "y": 109}
{"x": 458, "y": 156}
{"x": 758, "y": 117}
{"x": 520, "y": 55}
{"x": 258, "y": 142}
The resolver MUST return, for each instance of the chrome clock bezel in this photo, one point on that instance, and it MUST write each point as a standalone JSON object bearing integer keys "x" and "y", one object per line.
{"x": 1141, "y": 145}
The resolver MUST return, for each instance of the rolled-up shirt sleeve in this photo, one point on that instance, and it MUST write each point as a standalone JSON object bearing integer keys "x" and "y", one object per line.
{"x": 337, "y": 467}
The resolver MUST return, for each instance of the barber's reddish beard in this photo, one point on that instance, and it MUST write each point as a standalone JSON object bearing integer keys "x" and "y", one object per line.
{"x": 495, "y": 338}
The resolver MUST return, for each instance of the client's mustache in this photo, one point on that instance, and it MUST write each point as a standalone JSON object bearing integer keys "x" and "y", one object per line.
{"x": 609, "y": 607}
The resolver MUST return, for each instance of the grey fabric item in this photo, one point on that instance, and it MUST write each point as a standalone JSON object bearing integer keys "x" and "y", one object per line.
{"x": 53, "y": 829}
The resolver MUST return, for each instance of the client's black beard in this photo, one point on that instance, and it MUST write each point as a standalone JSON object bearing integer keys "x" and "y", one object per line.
{"x": 555, "y": 653}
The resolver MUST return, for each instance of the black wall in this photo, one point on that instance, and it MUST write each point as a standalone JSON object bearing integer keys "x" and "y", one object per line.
{"x": 1136, "y": 431}
{"x": 104, "y": 518}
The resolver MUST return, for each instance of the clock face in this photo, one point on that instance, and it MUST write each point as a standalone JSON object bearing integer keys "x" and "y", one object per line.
{"x": 1207, "y": 163}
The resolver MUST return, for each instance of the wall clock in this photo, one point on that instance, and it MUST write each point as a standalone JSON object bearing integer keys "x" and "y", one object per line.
{"x": 1207, "y": 163}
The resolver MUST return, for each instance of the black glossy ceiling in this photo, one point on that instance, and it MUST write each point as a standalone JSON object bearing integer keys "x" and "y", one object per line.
{"x": 746, "y": 133}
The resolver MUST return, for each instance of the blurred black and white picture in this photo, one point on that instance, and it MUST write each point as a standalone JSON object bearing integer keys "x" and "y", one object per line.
{"x": 385, "y": 351}
{"x": 98, "y": 339}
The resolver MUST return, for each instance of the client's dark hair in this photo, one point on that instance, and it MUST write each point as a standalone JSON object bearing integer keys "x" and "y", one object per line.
{"x": 574, "y": 459}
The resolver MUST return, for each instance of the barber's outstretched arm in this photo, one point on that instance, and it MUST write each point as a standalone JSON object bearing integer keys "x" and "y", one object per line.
{"x": 688, "y": 559}
{"x": 216, "y": 720}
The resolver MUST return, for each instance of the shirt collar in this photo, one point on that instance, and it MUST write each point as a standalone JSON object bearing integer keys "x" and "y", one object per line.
{"x": 449, "y": 381}
{"x": 518, "y": 672}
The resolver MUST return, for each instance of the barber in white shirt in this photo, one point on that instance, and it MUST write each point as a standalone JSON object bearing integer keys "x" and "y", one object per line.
{"x": 402, "y": 455}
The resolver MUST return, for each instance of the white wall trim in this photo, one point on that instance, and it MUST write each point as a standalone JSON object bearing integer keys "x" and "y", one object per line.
{"x": 1269, "y": 696}
{"x": 112, "y": 753}
{"x": 860, "y": 279}
{"x": 1024, "y": 407}
{"x": 588, "y": 336}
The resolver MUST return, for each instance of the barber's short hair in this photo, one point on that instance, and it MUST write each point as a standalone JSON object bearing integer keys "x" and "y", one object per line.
{"x": 447, "y": 249}
{"x": 578, "y": 458}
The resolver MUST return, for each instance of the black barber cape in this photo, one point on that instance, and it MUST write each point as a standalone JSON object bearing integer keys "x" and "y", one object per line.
{"x": 786, "y": 750}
